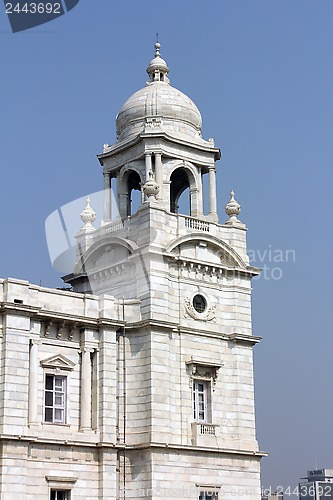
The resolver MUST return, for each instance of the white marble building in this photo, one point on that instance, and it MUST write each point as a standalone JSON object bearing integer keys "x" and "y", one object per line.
{"x": 139, "y": 382}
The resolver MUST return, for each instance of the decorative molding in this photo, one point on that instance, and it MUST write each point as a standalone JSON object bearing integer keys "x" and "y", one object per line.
{"x": 58, "y": 362}
{"x": 72, "y": 331}
{"x": 203, "y": 369}
{"x": 240, "y": 338}
{"x": 59, "y": 479}
{"x": 48, "y": 327}
{"x": 151, "y": 123}
{"x": 214, "y": 488}
{"x": 208, "y": 315}
{"x": 61, "y": 329}
{"x": 63, "y": 482}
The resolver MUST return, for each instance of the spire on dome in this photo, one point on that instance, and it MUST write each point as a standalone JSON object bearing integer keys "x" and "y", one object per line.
{"x": 158, "y": 69}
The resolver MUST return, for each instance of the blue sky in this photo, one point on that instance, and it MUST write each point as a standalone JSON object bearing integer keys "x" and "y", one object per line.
{"x": 261, "y": 73}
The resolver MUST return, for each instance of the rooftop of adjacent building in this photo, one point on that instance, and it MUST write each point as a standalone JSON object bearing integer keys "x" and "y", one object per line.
{"x": 325, "y": 475}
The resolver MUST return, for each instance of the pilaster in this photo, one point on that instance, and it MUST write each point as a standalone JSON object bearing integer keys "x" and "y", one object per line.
{"x": 33, "y": 382}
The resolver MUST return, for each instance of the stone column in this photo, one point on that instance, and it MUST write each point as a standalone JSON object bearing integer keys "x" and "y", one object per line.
{"x": 85, "y": 389}
{"x": 33, "y": 382}
{"x": 148, "y": 165}
{"x": 107, "y": 216}
{"x": 194, "y": 201}
{"x": 159, "y": 174}
{"x": 167, "y": 195}
{"x": 123, "y": 205}
{"x": 212, "y": 192}
{"x": 200, "y": 195}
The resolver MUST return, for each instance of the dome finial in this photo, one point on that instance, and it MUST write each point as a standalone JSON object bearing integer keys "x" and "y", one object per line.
{"x": 157, "y": 47}
{"x": 158, "y": 69}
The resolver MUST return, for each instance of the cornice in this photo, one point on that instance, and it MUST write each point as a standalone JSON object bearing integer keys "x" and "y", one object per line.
{"x": 189, "y": 448}
{"x": 125, "y": 145}
{"x": 142, "y": 446}
{"x": 214, "y": 267}
{"x": 19, "y": 309}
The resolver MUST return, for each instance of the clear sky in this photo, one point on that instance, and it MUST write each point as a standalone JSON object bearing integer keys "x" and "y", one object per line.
{"x": 261, "y": 73}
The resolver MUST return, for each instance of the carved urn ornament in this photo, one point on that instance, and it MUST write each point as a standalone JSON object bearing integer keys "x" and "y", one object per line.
{"x": 232, "y": 209}
{"x": 151, "y": 188}
{"x": 88, "y": 215}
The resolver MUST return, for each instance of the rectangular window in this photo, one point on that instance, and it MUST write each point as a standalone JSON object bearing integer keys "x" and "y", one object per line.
{"x": 208, "y": 495}
{"x": 200, "y": 401}
{"x": 60, "y": 495}
{"x": 55, "y": 403}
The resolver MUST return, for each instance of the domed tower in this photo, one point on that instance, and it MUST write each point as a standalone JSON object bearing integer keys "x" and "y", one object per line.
{"x": 159, "y": 130}
{"x": 181, "y": 286}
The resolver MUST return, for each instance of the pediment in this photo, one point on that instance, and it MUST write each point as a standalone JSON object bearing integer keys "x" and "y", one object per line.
{"x": 105, "y": 252}
{"x": 206, "y": 249}
{"x": 58, "y": 362}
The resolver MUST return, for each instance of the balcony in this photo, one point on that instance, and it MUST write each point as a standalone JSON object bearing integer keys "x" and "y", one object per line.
{"x": 204, "y": 434}
{"x": 196, "y": 224}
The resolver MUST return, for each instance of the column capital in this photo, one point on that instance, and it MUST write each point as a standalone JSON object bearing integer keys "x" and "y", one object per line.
{"x": 85, "y": 350}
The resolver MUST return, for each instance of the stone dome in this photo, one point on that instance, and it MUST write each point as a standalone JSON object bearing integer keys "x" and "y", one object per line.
{"x": 160, "y": 105}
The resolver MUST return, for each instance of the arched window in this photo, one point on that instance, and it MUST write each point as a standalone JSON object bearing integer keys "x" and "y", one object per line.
{"x": 180, "y": 192}
{"x": 134, "y": 192}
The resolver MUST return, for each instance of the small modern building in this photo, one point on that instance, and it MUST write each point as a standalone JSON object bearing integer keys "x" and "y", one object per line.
{"x": 272, "y": 496}
{"x": 319, "y": 485}
{"x": 137, "y": 381}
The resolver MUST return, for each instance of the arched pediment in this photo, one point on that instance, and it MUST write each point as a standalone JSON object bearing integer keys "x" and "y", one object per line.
{"x": 187, "y": 166}
{"x": 207, "y": 248}
{"x": 127, "y": 168}
{"x": 105, "y": 253}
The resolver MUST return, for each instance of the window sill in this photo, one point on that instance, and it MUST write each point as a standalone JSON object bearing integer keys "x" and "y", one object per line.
{"x": 57, "y": 424}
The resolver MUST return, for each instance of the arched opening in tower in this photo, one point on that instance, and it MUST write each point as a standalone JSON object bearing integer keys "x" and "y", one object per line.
{"x": 134, "y": 192}
{"x": 180, "y": 201}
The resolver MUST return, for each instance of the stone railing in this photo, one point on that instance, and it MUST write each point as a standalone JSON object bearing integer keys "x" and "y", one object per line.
{"x": 115, "y": 226}
{"x": 207, "y": 429}
{"x": 203, "y": 429}
{"x": 196, "y": 224}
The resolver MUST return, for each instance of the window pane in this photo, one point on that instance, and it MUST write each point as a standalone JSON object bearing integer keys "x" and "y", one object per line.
{"x": 55, "y": 400}
{"x": 48, "y": 398}
{"x": 200, "y": 401}
{"x": 199, "y": 303}
{"x": 59, "y": 400}
{"x": 49, "y": 382}
{"x": 48, "y": 415}
{"x": 59, "y": 415}
{"x": 59, "y": 383}
{"x": 208, "y": 496}
{"x": 59, "y": 495}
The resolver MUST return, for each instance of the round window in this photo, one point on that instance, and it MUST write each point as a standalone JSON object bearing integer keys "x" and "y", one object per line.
{"x": 199, "y": 303}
